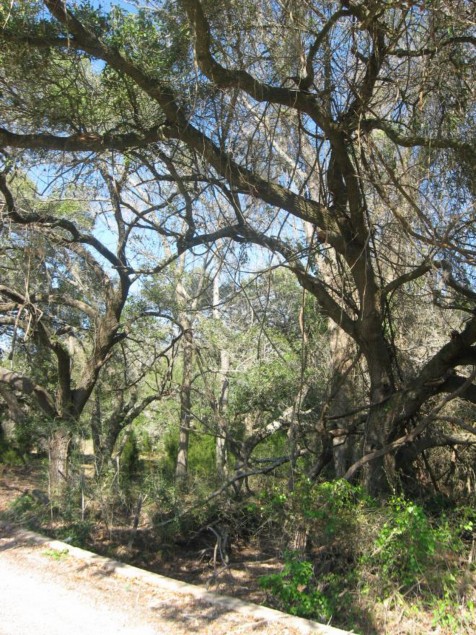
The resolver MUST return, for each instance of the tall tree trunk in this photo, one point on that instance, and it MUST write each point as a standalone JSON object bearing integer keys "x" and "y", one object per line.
{"x": 340, "y": 392}
{"x": 181, "y": 469}
{"x": 105, "y": 435}
{"x": 379, "y": 474}
{"x": 96, "y": 432}
{"x": 221, "y": 456}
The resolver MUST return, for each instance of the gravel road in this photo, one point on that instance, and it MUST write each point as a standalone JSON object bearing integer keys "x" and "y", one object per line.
{"x": 32, "y": 605}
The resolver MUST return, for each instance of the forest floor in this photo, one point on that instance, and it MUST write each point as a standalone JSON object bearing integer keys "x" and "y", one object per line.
{"x": 199, "y": 563}
{"x": 62, "y": 586}
{"x": 194, "y": 562}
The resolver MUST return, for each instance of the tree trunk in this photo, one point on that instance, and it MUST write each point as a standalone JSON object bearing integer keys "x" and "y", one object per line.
{"x": 96, "y": 433}
{"x": 58, "y": 447}
{"x": 181, "y": 469}
{"x": 220, "y": 445}
{"x": 341, "y": 392}
{"x": 15, "y": 415}
{"x": 379, "y": 474}
{"x": 105, "y": 440}
{"x": 221, "y": 457}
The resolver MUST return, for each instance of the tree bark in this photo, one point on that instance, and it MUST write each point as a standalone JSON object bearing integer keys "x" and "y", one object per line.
{"x": 181, "y": 469}
{"x": 220, "y": 444}
{"x": 340, "y": 392}
{"x": 58, "y": 451}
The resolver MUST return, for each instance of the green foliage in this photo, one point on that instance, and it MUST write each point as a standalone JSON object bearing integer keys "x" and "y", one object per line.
{"x": 170, "y": 444}
{"x": 56, "y": 554}
{"x": 379, "y": 553}
{"x": 130, "y": 463}
{"x": 148, "y": 38}
{"x": 295, "y": 589}
{"x": 32, "y": 431}
{"x": 448, "y": 612}
{"x": 76, "y": 532}
{"x": 466, "y": 516}
{"x": 419, "y": 556}
{"x": 335, "y": 496}
{"x": 28, "y": 510}
{"x": 202, "y": 455}
{"x": 406, "y": 545}
{"x": 330, "y": 509}
{"x": 329, "y": 515}
{"x": 267, "y": 386}
{"x": 9, "y": 455}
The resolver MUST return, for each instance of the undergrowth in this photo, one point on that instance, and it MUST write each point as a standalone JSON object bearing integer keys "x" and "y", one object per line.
{"x": 361, "y": 563}
{"x": 362, "y": 559}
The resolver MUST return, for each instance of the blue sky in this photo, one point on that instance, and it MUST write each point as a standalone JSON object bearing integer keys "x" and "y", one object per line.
{"x": 107, "y": 4}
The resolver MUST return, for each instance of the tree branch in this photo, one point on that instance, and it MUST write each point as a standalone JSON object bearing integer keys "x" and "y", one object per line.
{"x": 408, "y": 438}
{"x": 426, "y": 266}
{"x": 412, "y": 141}
{"x": 25, "y": 385}
{"x": 226, "y": 78}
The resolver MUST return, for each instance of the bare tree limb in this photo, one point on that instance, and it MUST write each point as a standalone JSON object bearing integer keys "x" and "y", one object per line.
{"x": 411, "y": 436}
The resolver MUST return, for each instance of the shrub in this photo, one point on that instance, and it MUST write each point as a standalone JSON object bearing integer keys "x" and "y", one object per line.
{"x": 362, "y": 555}
{"x": 130, "y": 463}
{"x": 28, "y": 510}
{"x": 407, "y": 546}
{"x": 295, "y": 589}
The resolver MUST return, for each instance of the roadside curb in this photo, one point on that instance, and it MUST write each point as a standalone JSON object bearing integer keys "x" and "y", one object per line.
{"x": 169, "y": 584}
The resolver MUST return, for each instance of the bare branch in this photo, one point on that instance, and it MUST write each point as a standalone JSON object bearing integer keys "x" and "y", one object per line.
{"x": 411, "y": 436}
{"x": 226, "y": 78}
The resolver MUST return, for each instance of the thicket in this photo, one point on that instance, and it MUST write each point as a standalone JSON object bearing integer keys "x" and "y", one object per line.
{"x": 365, "y": 553}
{"x": 362, "y": 561}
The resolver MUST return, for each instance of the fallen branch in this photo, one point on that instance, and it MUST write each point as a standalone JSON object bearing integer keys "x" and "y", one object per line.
{"x": 238, "y": 476}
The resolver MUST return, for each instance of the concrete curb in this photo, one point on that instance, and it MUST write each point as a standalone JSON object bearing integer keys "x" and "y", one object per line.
{"x": 161, "y": 582}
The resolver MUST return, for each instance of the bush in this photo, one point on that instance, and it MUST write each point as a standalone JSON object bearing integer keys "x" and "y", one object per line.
{"x": 409, "y": 550}
{"x": 130, "y": 464}
{"x": 76, "y": 533}
{"x": 9, "y": 454}
{"x": 295, "y": 589}
{"x": 361, "y": 555}
{"x": 30, "y": 510}
{"x": 319, "y": 581}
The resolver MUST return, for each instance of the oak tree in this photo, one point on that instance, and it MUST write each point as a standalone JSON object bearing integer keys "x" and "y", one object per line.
{"x": 337, "y": 135}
